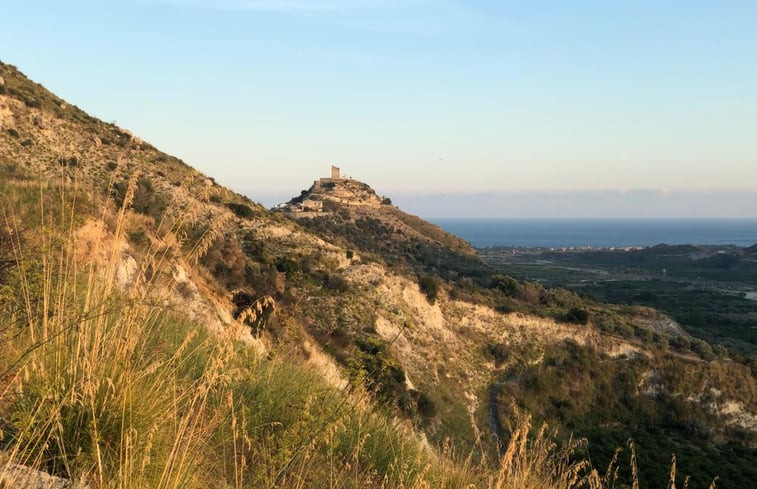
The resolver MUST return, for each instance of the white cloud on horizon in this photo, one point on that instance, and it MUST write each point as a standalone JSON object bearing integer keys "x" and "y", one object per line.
{"x": 623, "y": 203}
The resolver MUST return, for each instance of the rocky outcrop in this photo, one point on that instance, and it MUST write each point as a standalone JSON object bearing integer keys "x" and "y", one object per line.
{"x": 21, "y": 477}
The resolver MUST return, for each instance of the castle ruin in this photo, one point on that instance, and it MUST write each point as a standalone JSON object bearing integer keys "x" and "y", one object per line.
{"x": 336, "y": 188}
{"x": 336, "y": 175}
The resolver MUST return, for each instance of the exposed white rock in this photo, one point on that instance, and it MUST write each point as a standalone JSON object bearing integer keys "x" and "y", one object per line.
{"x": 126, "y": 271}
{"x": 21, "y": 477}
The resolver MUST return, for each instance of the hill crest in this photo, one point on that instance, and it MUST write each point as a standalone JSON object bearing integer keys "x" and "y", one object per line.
{"x": 327, "y": 191}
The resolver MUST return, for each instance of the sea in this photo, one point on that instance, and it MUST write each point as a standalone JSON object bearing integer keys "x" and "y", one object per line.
{"x": 600, "y": 233}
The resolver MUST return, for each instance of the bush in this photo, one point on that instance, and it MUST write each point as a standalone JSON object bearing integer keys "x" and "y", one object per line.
{"x": 240, "y": 210}
{"x": 577, "y": 316}
{"x": 336, "y": 282}
{"x": 424, "y": 405}
{"x": 429, "y": 285}
{"x": 680, "y": 342}
{"x": 505, "y": 284}
{"x": 703, "y": 349}
{"x": 380, "y": 374}
{"x": 70, "y": 161}
{"x": 139, "y": 238}
{"x": 146, "y": 200}
{"x": 226, "y": 261}
{"x": 287, "y": 266}
{"x": 498, "y": 352}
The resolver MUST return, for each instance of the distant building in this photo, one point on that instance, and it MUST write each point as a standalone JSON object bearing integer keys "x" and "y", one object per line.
{"x": 335, "y": 173}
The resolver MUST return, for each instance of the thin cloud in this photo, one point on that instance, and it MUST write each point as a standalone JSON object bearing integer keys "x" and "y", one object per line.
{"x": 303, "y": 6}
{"x": 401, "y": 16}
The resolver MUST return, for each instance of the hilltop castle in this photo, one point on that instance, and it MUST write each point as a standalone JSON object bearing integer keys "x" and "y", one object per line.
{"x": 335, "y": 177}
{"x": 336, "y": 189}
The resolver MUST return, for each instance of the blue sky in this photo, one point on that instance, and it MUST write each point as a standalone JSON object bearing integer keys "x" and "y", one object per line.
{"x": 430, "y": 101}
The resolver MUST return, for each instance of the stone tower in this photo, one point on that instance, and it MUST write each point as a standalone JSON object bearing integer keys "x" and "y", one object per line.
{"x": 335, "y": 173}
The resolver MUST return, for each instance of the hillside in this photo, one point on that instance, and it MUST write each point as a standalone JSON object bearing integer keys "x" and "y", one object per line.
{"x": 281, "y": 311}
{"x": 349, "y": 211}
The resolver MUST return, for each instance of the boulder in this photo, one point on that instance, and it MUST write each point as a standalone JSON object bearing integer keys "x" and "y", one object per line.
{"x": 21, "y": 477}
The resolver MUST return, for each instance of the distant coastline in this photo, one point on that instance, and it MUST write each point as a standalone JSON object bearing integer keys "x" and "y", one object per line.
{"x": 600, "y": 233}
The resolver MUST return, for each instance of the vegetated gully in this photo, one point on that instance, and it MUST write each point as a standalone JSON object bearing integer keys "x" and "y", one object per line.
{"x": 495, "y": 423}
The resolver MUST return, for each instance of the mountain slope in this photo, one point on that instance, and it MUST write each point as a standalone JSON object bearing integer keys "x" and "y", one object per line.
{"x": 365, "y": 293}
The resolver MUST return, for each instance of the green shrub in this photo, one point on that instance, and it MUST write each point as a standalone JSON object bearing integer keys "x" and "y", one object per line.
{"x": 429, "y": 285}
{"x": 703, "y": 349}
{"x": 372, "y": 366}
{"x": 240, "y": 210}
{"x": 147, "y": 200}
{"x": 577, "y": 316}
{"x": 287, "y": 266}
{"x": 505, "y": 284}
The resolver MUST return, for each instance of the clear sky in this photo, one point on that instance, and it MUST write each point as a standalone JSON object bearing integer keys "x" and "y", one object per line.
{"x": 511, "y": 108}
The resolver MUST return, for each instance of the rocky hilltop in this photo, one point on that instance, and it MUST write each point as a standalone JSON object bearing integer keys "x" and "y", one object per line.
{"x": 335, "y": 189}
{"x": 340, "y": 283}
